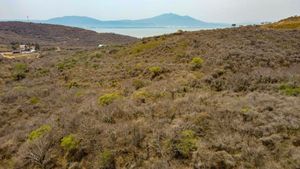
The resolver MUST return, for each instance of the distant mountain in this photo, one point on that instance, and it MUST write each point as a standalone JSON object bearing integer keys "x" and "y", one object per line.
{"x": 165, "y": 20}
{"x": 74, "y": 21}
{"x": 173, "y": 20}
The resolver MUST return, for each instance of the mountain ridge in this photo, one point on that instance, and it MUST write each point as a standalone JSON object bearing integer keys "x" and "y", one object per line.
{"x": 164, "y": 20}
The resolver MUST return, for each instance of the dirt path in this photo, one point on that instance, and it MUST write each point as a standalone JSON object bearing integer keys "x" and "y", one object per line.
{"x": 24, "y": 55}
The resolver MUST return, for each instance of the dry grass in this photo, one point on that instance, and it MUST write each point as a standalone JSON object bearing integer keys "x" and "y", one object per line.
{"x": 289, "y": 23}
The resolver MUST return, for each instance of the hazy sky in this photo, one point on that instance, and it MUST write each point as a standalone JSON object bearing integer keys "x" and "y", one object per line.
{"x": 207, "y": 10}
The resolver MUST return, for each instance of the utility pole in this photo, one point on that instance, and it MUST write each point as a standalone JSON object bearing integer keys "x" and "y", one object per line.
{"x": 27, "y": 19}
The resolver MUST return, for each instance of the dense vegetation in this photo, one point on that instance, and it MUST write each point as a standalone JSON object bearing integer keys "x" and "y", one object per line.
{"x": 216, "y": 99}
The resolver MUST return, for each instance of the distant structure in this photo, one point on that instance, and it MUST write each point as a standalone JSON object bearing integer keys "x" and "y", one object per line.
{"x": 265, "y": 23}
{"x": 233, "y": 25}
{"x": 101, "y": 45}
{"x": 24, "y": 48}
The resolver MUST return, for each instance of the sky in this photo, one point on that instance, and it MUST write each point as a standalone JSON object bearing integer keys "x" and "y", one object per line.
{"x": 226, "y": 11}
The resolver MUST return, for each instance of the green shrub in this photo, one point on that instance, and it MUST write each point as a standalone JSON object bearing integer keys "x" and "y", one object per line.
{"x": 39, "y": 132}
{"x": 66, "y": 64}
{"x": 108, "y": 98}
{"x": 145, "y": 45}
{"x": 98, "y": 55}
{"x": 142, "y": 95}
{"x": 107, "y": 160}
{"x": 185, "y": 144}
{"x": 73, "y": 84}
{"x": 108, "y": 119}
{"x": 34, "y": 100}
{"x": 197, "y": 62}
{"x": 19, "y": 71}
{"x": 138, "y": 84}
{"x": 155, "y": 71}
{"x": 290, "y": 90}
{"x": 69, "y": 142}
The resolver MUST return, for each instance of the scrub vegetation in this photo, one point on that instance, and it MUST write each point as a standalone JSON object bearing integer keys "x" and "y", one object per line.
{"x": 211, "y": 99}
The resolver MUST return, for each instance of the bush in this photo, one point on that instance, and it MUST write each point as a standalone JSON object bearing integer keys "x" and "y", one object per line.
{"x": 142, "y": 96}
{"x": 108, "y": 98}
{"x": 39, "y": 132}
{"x": 185, "y": 144}
{"x": 98, "y": 55}
{"x": 155, "y": 71}
{"x": 66, "y": 64}
{"x": 290, "y": 90}
{"x": 138, "y": 84}
{"x": 107, "y": 160}
{"x": 34, "y": 100}
{"x": 69, "y": 142}
{"x": 197, "y": 62}
{"x": 19, "y": 71}
{"x": 73, "y": 84}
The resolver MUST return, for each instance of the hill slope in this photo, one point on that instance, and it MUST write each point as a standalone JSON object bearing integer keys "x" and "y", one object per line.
{"x": 288, "y": 23}
{"x": 209, "y": 99}
{"x": 164, "y": 20}
{"x": 47, "y": 34}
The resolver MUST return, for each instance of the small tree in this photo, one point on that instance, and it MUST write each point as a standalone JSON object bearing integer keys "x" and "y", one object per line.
{"x": 14, "y": 45}
{"x": 37, "y": 46}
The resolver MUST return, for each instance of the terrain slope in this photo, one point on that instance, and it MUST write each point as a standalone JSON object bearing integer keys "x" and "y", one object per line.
{"x": 213, "y": 99}
{"x": 55, "y": 35}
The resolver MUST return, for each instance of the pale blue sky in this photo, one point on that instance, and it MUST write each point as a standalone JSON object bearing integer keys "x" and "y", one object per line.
{"x": 207, "y": 10}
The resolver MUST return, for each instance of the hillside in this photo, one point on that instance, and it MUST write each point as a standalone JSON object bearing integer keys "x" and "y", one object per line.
{"x": 164, "y": 20}
{"x": 79, "y": 21}
{"x": 288, "y": 23}
{"x": 55, "y": 35}
{"x": 213, "y": 99}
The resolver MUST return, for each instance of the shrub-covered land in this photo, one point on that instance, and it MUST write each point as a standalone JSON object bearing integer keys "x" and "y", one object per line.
{"x": 214, "y": 99}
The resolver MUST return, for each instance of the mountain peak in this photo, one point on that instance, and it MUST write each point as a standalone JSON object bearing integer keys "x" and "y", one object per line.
{"x": 169, "y": 14}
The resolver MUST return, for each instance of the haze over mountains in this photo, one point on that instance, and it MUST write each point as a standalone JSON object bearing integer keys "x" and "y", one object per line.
{"x": 164, "y": 20}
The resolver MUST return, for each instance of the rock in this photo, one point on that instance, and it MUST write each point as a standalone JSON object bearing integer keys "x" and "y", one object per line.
{"x": 74, "y": 165}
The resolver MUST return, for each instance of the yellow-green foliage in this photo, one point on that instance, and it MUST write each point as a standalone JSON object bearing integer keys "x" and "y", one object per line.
{"x": 197, "y": 62}
{"x": 146, "y": 45}
{"x": 66, "y": 64}
{"x": 39, "y": 132}
{"x": 138, "y": 84}
{"x": 69, "y": 142}
{"x": 19, "y": 71}
{"x": 245, "y": 109}
{"x": 289, "y": 23}
{"x": 73, "y": 84}
{"x": 107, "y": 160}
{"x": 142, "y": 95}
{"x": 155, "y": 70}
{"x": 185, "y": 144}
{"x": 4, "y": 48}
{"x": 290, "y": 90}
{"x": 108, "y": 98}
{"x": 34, "y": 100}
